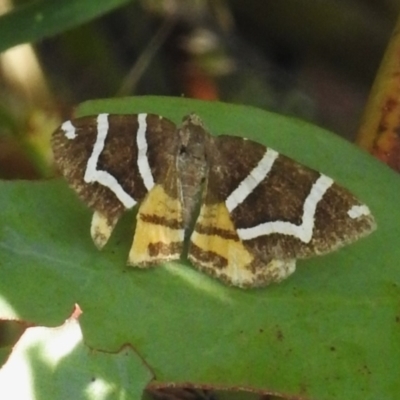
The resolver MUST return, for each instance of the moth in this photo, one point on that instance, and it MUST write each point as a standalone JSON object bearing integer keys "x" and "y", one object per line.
{"x": 247, "y": 212}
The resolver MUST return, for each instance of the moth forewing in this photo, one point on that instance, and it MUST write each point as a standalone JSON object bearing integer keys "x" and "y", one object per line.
{"x": 107, "y": 160}
{"x": 283, "y": 209}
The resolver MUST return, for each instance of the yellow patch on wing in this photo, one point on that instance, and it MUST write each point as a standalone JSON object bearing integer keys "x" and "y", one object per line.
{"x": 216, "y": 249}
{"x": 159, "y": 230}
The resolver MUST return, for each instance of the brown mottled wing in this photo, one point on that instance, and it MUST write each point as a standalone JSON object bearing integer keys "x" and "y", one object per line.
{"x": 113, "y": 161}
{"x": 278, "y": 209}
{"x": 119, "y": 157}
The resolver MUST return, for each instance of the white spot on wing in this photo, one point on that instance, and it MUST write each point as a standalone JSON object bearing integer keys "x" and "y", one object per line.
{"x": 252, "y": 180}
{"x": 143, "y": 161}
{"x": 303, "y": 231}
{"x": 358, "y": 211}
{"x": 69, "y": 130}
{"x": 92, "y": 174}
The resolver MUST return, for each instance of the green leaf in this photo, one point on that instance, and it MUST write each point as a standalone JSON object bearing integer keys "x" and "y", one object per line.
{"x": 43, "y": 18}
{"x": 330, "y": 331}
{"x": 76, "y": 371}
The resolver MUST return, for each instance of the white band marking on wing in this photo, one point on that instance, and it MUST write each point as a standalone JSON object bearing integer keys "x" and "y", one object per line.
{"x": 258, "y": 174}
{"x": 69, "y": 130}
{"x": 92, "y": 174}
{"x": 143, "y": 161}
{"x": 358, "y": 211}
{"x": 305, "y": 230}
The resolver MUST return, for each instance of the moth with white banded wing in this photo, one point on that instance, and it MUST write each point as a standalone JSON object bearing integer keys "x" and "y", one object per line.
{"x": 259, "y": 211}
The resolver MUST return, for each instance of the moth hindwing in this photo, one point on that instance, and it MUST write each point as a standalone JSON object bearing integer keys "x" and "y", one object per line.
{"x": 259, "y": 210}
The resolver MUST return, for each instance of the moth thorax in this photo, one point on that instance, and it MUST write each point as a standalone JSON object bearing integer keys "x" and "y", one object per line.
{"x": 192, "y": 165}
